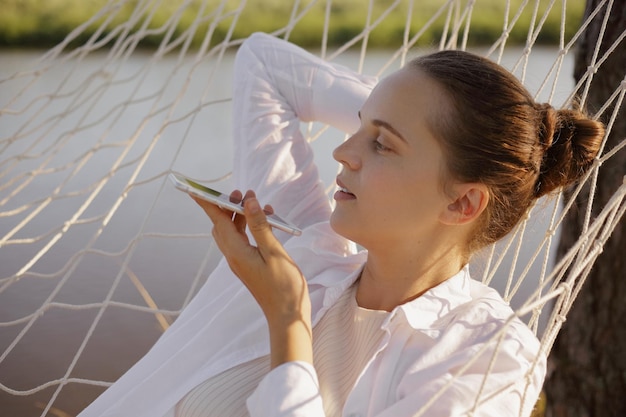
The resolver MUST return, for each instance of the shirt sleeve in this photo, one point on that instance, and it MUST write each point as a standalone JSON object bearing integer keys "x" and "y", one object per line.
{"x": 276, "y": 86}
{"x": 289, "y": 390}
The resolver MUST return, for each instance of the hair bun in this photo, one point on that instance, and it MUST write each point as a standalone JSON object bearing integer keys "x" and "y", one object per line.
{"x": 570, "y": 141}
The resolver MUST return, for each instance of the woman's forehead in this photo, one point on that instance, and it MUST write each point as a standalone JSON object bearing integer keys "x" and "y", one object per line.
{"x": 408, "y": 99}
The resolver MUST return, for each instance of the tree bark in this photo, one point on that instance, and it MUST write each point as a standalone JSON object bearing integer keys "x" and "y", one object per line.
{"x": 587, "y": 375}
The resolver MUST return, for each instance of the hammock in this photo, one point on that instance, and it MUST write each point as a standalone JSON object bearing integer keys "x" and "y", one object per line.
{"x": 99, "y": 253}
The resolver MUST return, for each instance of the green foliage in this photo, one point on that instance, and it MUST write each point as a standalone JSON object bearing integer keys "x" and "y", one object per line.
{"x": 45, "y": 23}
{"x": 34, "y": 22}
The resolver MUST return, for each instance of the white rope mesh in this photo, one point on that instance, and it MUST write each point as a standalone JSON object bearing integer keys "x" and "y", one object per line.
{"x": 98, "y": 253}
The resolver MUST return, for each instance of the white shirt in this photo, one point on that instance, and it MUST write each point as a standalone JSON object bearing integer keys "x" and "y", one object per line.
{"x": 344, "y": 342}
{"x": 345, "y": 331}
{"x": 456, "y": 350}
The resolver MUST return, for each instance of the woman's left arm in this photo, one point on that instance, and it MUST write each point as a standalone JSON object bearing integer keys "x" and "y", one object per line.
{"x": 279, "y": 287}
{"x": 270, "y": 275}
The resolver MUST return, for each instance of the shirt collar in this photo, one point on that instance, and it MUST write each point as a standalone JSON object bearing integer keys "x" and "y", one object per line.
{"x": 431, "y": 309}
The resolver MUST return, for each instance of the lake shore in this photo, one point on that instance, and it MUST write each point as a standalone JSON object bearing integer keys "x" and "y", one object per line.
{"x": 32, "y": 23}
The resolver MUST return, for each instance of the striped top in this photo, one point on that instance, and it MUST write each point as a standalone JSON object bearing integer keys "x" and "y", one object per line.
{"x": 346, "y": 331}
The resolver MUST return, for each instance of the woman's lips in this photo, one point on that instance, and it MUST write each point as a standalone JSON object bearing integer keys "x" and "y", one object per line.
{"x": 342, "y": 193}
{"x": 342, "y": 196}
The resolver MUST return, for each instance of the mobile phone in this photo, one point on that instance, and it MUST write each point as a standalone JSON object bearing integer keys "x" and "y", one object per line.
{"x": 222, "y": 200}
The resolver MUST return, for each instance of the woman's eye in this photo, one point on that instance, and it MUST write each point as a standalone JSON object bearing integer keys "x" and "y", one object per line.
{"x": 379, "y": 146}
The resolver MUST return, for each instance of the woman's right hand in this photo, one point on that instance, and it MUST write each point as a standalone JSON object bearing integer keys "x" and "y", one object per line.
{"x": 269, "y": 273}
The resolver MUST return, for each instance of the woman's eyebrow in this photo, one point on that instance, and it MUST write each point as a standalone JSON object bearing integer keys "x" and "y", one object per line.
{"x": 382, "y": 123}
{"x": 386, "y": 125}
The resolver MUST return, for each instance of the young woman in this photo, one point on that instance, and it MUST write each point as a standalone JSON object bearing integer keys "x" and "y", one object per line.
{"x": 445, "y": 156}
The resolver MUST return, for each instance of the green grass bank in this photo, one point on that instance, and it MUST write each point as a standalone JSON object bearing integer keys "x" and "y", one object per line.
{"x": 36, "y": 23}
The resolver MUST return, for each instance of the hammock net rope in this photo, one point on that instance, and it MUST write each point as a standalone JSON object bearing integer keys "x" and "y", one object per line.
{"x": 99, "y": 253}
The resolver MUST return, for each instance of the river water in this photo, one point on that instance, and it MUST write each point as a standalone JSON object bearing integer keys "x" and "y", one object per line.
{"x": 166, "y": 267}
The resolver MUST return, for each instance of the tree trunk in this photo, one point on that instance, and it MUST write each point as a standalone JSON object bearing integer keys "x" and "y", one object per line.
{"x": 588, "y": 360}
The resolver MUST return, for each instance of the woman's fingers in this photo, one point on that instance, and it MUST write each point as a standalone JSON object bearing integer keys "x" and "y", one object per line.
{"x": 257, "y": 221}
{"x": 218, "y": 214}
{"x": 226, "y": 228}
{"x": 229, "y": 228}
{"x": 236, "y": 196}
{"x": 240, "y": 222}
{"x": 214, "y": 212}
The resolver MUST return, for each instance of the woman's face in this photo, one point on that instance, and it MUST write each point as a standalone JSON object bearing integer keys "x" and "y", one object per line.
{"x": 390, "y": 186}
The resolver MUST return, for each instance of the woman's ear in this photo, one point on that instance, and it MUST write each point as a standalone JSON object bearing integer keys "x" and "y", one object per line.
{"x": 470, "y": 201}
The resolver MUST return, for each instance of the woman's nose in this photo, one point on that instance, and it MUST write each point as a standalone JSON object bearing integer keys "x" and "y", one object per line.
{"x": 347, "y": 154}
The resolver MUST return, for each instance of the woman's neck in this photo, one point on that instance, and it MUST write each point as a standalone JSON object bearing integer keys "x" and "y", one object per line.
{"x": 391, "y": 278}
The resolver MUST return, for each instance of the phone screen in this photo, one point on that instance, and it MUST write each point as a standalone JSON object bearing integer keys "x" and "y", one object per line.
{"x": 203, "y": 188}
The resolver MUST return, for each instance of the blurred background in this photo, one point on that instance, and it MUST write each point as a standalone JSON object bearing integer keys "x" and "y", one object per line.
{"x": 99, "y": 100}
